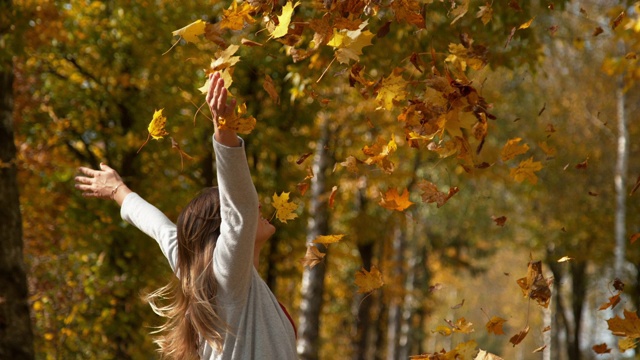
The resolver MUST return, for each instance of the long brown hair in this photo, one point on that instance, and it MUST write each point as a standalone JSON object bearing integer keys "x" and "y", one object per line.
{"x": 191, "y": 313}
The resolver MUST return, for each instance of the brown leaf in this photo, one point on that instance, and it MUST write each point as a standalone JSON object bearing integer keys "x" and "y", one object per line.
{"x": 500, "y": 220}
{"x": 628, "y": 326}
{"x": 631, "y": 56}
{"x": 635, "y": 187}
{"x": 313, "y": 257}
{"x": 601, "y": 348}
{"x": 617, "y": 21}
{"x": 546, "y": 328}
{"x": 367, "y": 281}
{"x": 618, "y": 284}
{"x": 248, "y": 42}
{"x": 303, "y": 157}
{"x": 583, "y": 165}
{"x": 270, "y": 88}
{"x": 431, "y": 194}
{"x": 332, "y": 197}
{"x": 458, "y": 306}
{"x": 613, "y": 301}
{"x": 534, "y": 285}
{"x": 303, "y": 187}
{"x": 175, "y": 145}
{"x": 384, "y": 30}
{"x": 494, "y": 326}
{"x": 597, "y": 31}
{"x": 514, "y": 5}
{"x": 517, "y": 338}
{"x": 513, "y": 32}
{"x": 544, "y": 106}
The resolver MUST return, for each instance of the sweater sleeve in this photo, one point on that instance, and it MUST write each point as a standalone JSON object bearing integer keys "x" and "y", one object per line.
{"x": 233, "y": 255}
{"x": 146, "y": 217}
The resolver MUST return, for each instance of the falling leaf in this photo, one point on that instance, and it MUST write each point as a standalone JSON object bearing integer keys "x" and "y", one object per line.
{"x": 549, "y": 151}
{"x": 303, "y": 157}
{"x": 544, "y": 107}
{"x": 526, "y": 25}
{"x": 601, "y": 348}
{"x": 191, "y": 32}
{"x": 156, "y": 127}
{"x": 235, "y": 17}
{"x": 435, "y": 287}
{"x": 462, "y": 326}
{"x": 597, "y": 31}
{"x": 175, "y": 145}
{"x": 534, "y": 285}
{"x": 248, "y": 42}
{"x": 635, "y": 187}
{"x": 526, "y": 171}
{"x": 379, "y": 152}
{"x": 517, "y": 338}
{"x": 613, "y": 301}
{"x": 431, "y": 194}
{"x": 512, "y": 149}
{"x": 284, "y": 20}
{"x": 500, "y": 221}
{"x": 238, "y": 121}
{"x": 494, "y": 325}
{"x": 284, "y": 208}
{"x": 384, "y": 29}
{"x": 332, "y": 196}
{"x": 546, "y": 328}
{"x": 540, "y": 349}
{"x": 628, "y": 326}
{"x": 485, "y": 13}
{"x": 618, "y": 284}
{"x": 328, "y": 239}
{"x": 631, "y": 56}
{"x": 460, "y": 10}
{"x": 392, "y": 200}
{"x": 483, "y": 355}
{"x": 270, "y": 88}
{"x": 627, "y": 344}
{"x": 514, "y": 5}
{"x": 510, "y": 37}
{"x": 564, "y": 259}
{"x": 225, "y": 59}
{"x": 313, "y": 257}
{"x": 349, "y": 43}
{"x": 583, "y": 165}
{"x": 303, "y": 187}
{"x": 458, "y": 306}
{"x": 409, "y": 11}
{"x": 392, "y": 89}
{"x": 617, "y": 21}
{"x": 367, "y": 281}
{"x": 443, "y": 330}
{"x": 351, "y": 163}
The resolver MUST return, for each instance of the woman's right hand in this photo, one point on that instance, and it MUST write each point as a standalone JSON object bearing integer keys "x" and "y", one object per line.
{"x": 105, "y": 183}
{"x": 217, "y": 101}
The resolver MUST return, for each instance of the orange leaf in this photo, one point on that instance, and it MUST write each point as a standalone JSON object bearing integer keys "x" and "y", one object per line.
{"x": 367, "y": 281}
{"x": 313, "y": 257}
{"x": 601, "y": 348}
{"x": 634, "y": 237}
{"x": 517, "y": 338}
{"x": 270, "y": 88}
{"x": 379, "y": 152}
{"x": 526, "y": 171}
{"x": 511, "y": 149}
{"x": 628, "y": 326}
{"x": 495, "y": 325}
{"x": 234, "y": 18}
{"x": 613, "y": 301}
{"x": 500, "y": 221}
{"x": 332, "y": 197}
{"x": 392, "y": 200}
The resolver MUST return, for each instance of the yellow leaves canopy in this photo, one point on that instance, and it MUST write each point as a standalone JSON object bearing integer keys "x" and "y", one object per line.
{"x": 367, "y": 281}
{"x": 284, "y": 208}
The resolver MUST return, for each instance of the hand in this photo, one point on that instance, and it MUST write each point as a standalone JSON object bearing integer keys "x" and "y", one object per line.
{"x": 102, "y": 184}
{"x": 217, "y": 98}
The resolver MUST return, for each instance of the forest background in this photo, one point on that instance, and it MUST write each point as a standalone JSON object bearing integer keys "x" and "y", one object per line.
{"x": 433, "y": 152}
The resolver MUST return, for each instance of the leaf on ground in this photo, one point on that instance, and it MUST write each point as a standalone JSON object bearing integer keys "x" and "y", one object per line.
{"x": 379, "y": 152}
{"x": 284, "y": 20}
{"x": 601, "y": 349}
{"x": 526, "y": 171}
{"x": 393, "y": 200}
{"x": 627, "y": 326}
{"x": 235, "y": 17}
{"x": 328, "y": 239}
{"x": 284, "y": 208}
{"x": 191, "y": 32}
{"x": 517, "y": 338}
{"x": 313, "y": 257}
{"x": 534, "y": 285}
{"x": 512, "y": 149}
{"x": 431, "y": 194}
{"x": 494, "y": 325}
{"x": 367, "y": 281}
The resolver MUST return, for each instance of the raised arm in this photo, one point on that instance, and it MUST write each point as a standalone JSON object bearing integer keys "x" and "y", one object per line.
{"x": 234, "y": 253}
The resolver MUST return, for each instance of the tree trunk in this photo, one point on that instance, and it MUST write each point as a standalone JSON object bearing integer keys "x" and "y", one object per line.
{"x": 620, "y": 176}
{"x": 313, "y": 279}
{"x": 395, "y": 308}
{"x": 16, "y": 338}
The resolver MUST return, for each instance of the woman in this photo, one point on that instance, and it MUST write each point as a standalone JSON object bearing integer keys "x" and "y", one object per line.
{"x": 220, "y": 308}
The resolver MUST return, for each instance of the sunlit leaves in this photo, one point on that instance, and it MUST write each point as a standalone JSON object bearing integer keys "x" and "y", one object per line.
{"x": 284, "y": 208}
{"x": 235, "y": 17}
{"x": 284, "y": 20}
{"x": 191, "y": 32}
{"x": 485, "y": 13}
{"x": 367, "y": 281}
{"x": 157, "y": 125}
{"x": 526, "y": 170}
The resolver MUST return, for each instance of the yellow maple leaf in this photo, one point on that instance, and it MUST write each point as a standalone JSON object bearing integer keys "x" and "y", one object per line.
{"x": 225, "y": 59}
{"x": 235, "y": 17}
{"x": 349, "y": 43}
{"x": 284, "y": 20}
{"x": 284, "y": 208}
{"x": 465, "y": 350}
{"x": 463, "y": 326}
{"x": 191, "y": 32}
{"x": 157, "y": 124}
{"x": 327, "y": 239}
{"x": 526, "y": 170}
{"x": 512, "y": 149}
{"x": 379, "y": 152}
{"x": 367, "y": 281}
{"x": 627, "y": 326}
{"x": 392, "y": 200}
{"x": 443, "y": 330}
{"x": 548, "y": 150}
{"x": 392, "y": 89}
{"x": 313, "y": 257}
{"x": 238, "y": 121}
{"x": 494, "y": 325}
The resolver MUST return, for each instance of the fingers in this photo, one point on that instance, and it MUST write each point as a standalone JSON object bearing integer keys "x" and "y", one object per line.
{"x": 87, "y": 171}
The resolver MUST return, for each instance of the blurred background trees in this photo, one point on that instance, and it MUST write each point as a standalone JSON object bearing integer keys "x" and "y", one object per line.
{"x": 89, "y": 74}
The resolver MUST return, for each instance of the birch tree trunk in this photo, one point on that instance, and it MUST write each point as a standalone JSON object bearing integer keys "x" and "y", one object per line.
{"x": 395, "y": 304}
{"x": 16, "y": 338}
{"x": 620, "y": 183}
{"x": 313, "y": 279}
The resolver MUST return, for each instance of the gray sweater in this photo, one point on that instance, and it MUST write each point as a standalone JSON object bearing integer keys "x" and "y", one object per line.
{"x": 258, "y": 327}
